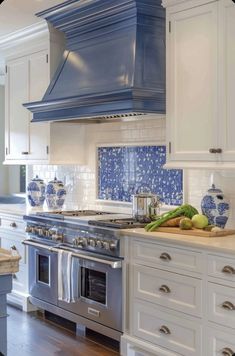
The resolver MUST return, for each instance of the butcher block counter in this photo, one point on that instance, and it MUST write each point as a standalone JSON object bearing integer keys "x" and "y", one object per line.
{"x": 9, "y": 263}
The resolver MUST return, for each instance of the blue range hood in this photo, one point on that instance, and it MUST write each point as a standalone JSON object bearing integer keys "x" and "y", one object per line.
{"x": 114, "y": 63}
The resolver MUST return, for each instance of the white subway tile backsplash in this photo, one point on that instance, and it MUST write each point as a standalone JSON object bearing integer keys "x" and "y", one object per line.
{"x": 81, "y": 180}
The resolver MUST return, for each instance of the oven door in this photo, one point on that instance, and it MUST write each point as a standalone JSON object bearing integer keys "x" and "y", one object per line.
{"x": 100, "y": 291}
{"x": 43, "y": 277}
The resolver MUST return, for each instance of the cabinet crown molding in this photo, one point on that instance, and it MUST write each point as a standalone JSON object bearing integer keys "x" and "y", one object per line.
{"x": 18, "y": 37}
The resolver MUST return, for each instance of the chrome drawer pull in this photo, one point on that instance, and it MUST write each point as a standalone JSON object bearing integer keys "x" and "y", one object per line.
{"x": 165, "y": 289}
{"x": 228, "y": 306}
{"x": 164, "y": 330}
{"x": 165, "y": 256}
{"x": 227, "y": 352}
{"x": 13, "y": 224}
{"x": 228, "y": 269}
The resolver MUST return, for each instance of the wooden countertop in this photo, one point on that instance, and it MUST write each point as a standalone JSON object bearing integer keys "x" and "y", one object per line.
{"x": 9, "y": 263}
{"x": 223, "y": 244}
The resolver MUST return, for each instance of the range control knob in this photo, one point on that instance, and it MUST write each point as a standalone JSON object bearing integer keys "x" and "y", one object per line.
{"x": 28, "y": 229}
{"x": 99, "y": 243}
{"x": 82, "y": 241}
{"x": 41, "y": 232}
{"x": 92, "y": 242}
{"x": 113, "y": 245}
{"x": 58, "y": 237}
{"x": 106, "y": 245}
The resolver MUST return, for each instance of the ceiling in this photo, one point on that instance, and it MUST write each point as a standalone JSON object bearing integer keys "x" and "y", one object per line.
{"x": 18, "y": 14}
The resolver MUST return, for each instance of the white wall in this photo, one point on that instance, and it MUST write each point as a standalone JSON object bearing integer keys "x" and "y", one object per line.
{"x": 81, "y": 180}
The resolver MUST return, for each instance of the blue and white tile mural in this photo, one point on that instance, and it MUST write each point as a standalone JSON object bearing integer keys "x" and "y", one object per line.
{"x": 123, "y": 171}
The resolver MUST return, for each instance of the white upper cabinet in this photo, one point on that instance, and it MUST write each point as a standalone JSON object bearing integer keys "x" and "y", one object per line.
{"x": 200, "y": 83}
{"x": 17, "y": 117}
{"x": 31, "y": 60}
{"x": 26, "y": 80}
{"x": 39, "y": 77}
{"x": 226, "y": 122}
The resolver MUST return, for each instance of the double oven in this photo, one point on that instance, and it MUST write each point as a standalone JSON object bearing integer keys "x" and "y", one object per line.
{"x": 98, "y": 305}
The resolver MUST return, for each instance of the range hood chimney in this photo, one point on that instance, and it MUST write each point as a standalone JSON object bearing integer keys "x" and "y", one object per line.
{"x": 114, "y": 63}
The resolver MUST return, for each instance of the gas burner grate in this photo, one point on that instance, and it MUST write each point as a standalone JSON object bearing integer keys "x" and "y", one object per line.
{"x": 126, "y": 223}
{"x": 72, "y": 213}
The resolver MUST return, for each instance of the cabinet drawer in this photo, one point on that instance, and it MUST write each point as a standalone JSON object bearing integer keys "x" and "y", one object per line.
{"x": 221, "y": 304}
{"x": 168, "y": 289}
{"x": 161, "y": 328}
{"x": 12, "y": 224}
{"x": 221, "y": 267}
{"x": 220, "y": 343}
{"x": 158, "y": 255}
{"x": 8, "y": 242}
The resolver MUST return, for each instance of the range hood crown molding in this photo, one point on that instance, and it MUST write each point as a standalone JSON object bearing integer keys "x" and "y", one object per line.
{"x": 114, "y": 63}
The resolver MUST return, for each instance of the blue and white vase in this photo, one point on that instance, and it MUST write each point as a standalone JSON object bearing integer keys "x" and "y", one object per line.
{"x": 216, "y": 207}
{"x": 36, "y": 190}
{"x": 55, "y": 194}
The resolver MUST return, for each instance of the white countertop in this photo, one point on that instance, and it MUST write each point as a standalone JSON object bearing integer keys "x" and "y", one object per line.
{"x": 223, "y": 244}
{"x": 15, "y": 209}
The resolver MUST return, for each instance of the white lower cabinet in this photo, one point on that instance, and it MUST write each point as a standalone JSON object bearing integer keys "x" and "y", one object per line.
{"x": 173, "y": 311}
{"x": 11, "y": 236}
{"x": 162, "y": 328}
{"x": 168, "y": 289}
{"x": 221, "y": 305}
{"x": 220, "y": 343}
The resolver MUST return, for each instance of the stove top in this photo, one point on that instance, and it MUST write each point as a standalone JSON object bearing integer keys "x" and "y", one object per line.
{"x": 126, "y": 223}
{"x": 71, "y": 213}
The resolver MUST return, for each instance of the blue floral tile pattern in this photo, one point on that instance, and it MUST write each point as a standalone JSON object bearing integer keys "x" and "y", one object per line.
{"x": 123, "y": 171}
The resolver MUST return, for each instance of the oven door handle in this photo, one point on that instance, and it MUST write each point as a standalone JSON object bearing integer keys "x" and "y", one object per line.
{"x": 29, "y": 242}
{"x": 112, "y": 263}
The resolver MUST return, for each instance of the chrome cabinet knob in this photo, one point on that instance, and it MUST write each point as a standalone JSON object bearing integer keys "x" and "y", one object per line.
{"x": 165, "y": 257}
{"x": 227, "y": 352}
{"x": 228, "y": 306}
{"x": 228, "y": 270}
{"x": 13, "y": 224}
{"x": 165, "y": 289}
{"x": 164, "y": 330}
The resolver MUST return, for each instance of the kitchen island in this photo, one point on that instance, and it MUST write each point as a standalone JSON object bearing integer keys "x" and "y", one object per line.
{"x": 9, "y": 263}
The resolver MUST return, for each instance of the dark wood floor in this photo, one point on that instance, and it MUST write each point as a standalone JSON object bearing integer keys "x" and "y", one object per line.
{"x": 31, "y": 335}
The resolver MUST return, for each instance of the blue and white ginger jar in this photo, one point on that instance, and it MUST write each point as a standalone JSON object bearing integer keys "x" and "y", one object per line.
{"x": 55, "y": 194}
{"x": 215, "y": 206}
{"x": 36, "y": 190}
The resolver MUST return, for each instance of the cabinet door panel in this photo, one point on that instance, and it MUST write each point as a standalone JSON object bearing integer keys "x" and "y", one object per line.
{"x": 39, "y": 79}
{"x": 227, "y": 79}
{"x": 192, "y": 83}
{"x": 17, "y": 117}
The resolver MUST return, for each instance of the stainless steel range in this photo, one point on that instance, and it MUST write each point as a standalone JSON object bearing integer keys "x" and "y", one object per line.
{"x": 98, "y": 275}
